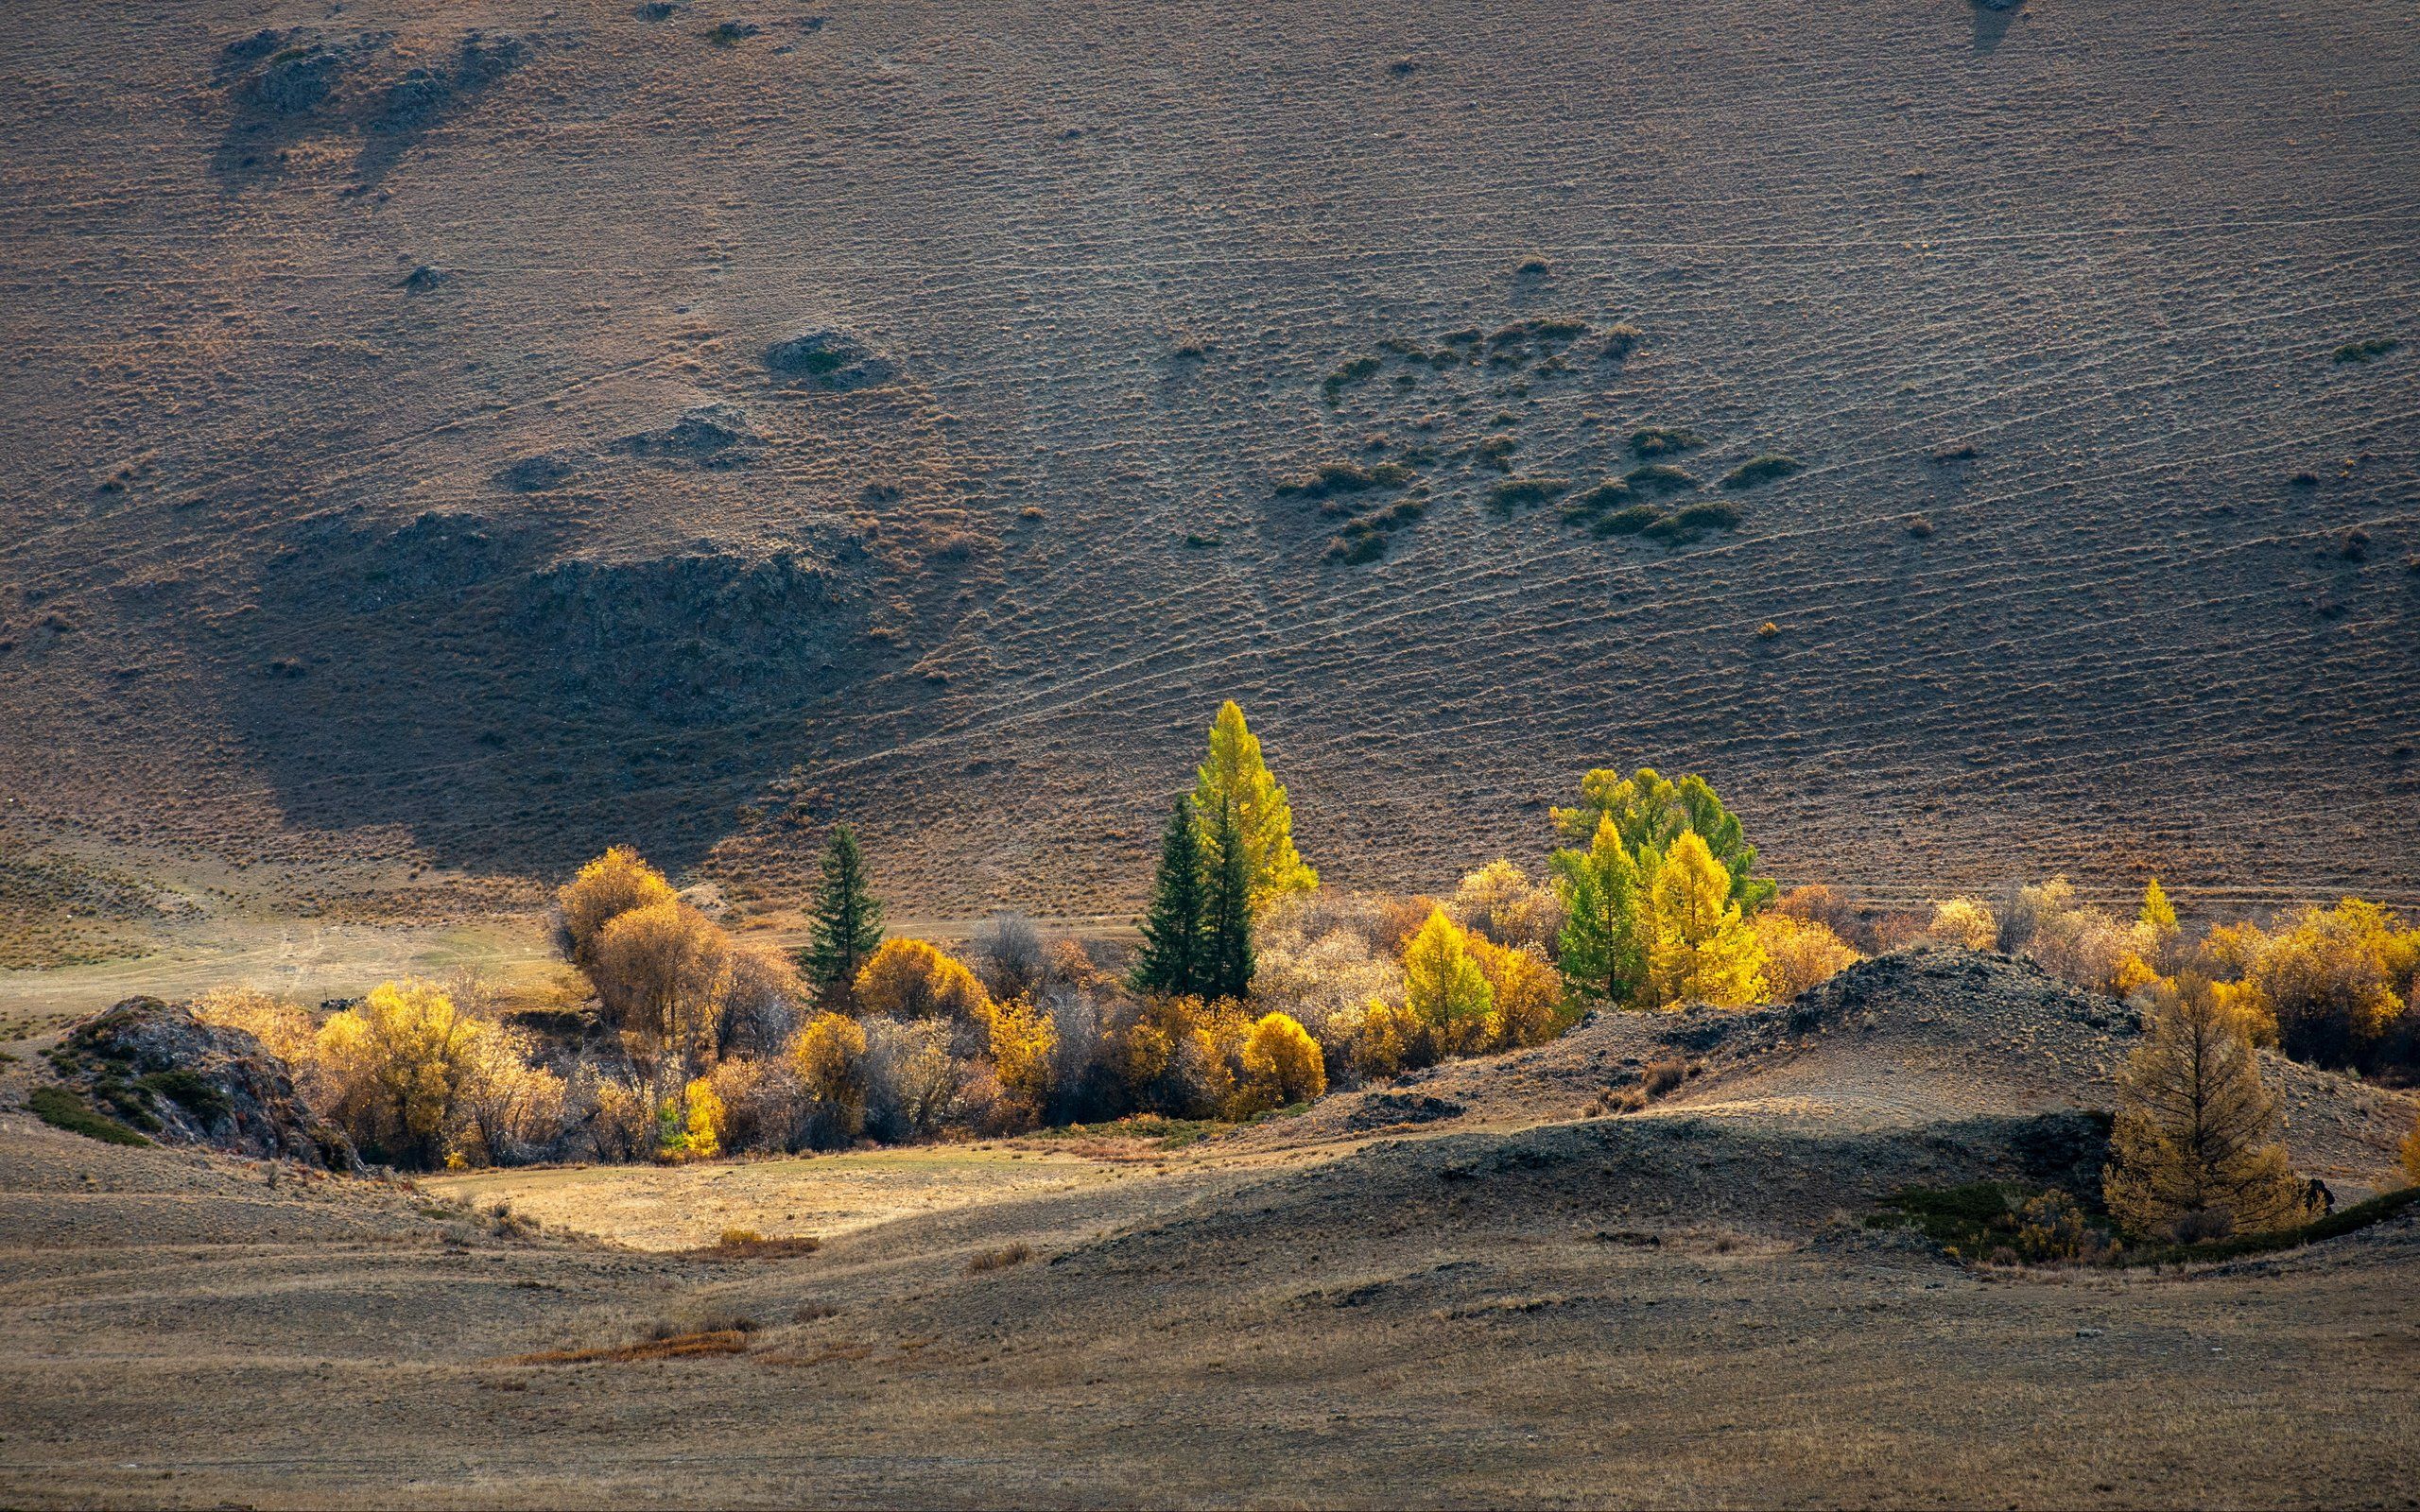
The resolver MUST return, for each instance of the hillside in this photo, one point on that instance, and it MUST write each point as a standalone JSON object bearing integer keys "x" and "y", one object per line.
{"x": 1672, "y": 1305}
{"x": 448, "y": 436}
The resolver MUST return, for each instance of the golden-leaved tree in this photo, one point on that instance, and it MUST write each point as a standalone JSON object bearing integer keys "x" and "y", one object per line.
{"x": 1698, "y": 950}
{"x": 664, "y": 974}
{"x": 2195, "y": 1149}
{"x": 399, "y": 1064}
{"x": 1235, "y": 780}
{"x": 1444, "y": 989}
{"x": 910, "y": 979}
{"x": 611, "y": 884}
{"x": 1281, "y": 1066}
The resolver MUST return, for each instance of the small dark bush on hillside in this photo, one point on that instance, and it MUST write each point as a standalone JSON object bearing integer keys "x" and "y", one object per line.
{"x": 1531, "y": 488}
{"x": 60, "y": 1109}
{"x": 1657, "y": 440}
{"x": 1330, "y": 478}
{"x": 1919, "y": 527}
{"x": 1657, "y": 478}
{"x": 1663, "y": 1075}
{"x": 1497, "y": 450}
{"x": 1628, "y": 521}
{"x": 1353, "y": 371}
{"x": 1760, "y": 469}
{"x": 2364, "y": 351}
{"x": 188, "y": 1091}
{"x": 1603, "y": 496}
{"x": 1621, "y": 342}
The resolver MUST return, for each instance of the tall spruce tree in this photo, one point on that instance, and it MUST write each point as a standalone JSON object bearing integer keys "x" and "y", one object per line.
{"x": 1173, "y": 944}
{"x": 1228, "y": 962}
{"x": 846, "y": 920}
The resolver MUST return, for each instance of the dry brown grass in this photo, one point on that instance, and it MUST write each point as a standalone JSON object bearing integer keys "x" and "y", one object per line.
{"x": 747, "y": 1244}
{"x": 1001, "y": 1259}
{"x": 676, "y": 1347}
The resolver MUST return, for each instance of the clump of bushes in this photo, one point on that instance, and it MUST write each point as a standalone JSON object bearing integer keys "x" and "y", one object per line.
{"x": 1330, "y": 478}
{"x": 1762, "y": 468}
{"x": 1657, "y": 440}
{"x": 63, "y": 1109}
{"x": 1528, "y": 489}
{"x": 2367, "y": 350}
{"x": 1654, "y": 479}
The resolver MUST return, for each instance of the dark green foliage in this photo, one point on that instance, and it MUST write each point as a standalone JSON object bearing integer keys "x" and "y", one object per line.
{"x": 2364, "y": 351}
{"x": 1629, "y": 521}
{"x": 1603, "y": 496}
{"x": 190, "y": 1091}
{"x": 1656, "y": 441}
{"x": 1658, "y": 478}
{"x": 1173, "y": 953}
{"x": 60, "y": 1109}
{"x": 1530, "y": 489}
{"x": 1760, "y": 469}
{"x": 1353, "y": 371}
{"x": 1227, "y": 956}
{"x": 846, "y": 920}
{"x": 1687, "y": 524}
{"x": 1345, "y": 477}
{"x": 1976, "y": 1220}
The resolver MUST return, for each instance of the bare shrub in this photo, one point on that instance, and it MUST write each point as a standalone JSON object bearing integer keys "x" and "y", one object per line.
{"x": 764, "y": 1105}
{"x": 1316, "y": 962}
{"x": 1001, "y": 1259}
{"x": 1664, "y": 1074}
{"x": 911, "y": 1080}
{"x": 760, "y": 1011}
{"x": 1009, "y": 954}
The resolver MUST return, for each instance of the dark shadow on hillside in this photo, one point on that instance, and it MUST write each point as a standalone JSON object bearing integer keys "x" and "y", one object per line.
{"x": 514, "y": 710}
{"x": 283, "y": 88}
{"x": 1993, "y": 21}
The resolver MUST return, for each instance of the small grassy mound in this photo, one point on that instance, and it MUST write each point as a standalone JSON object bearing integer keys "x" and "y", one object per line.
{"x": 1760, "y": 469}
{"x": 1629, "y": 521}
{"x": 747, "y": 1244}
{"x": 1353, "y": 371}
{"x": 1530, "y": 489}
{"x": 2365, "y": 350}
{"x": 1658, "y": 478}
{"x": 1330, "y": 478}
{"x": 1657, "y": 440}
{"x": 60, "y": 1109}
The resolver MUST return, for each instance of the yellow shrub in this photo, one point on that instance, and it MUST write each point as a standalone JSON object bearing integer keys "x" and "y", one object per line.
{"x": 1023, "y": 1042}
{"x": 690, "y": 1126}
{"x": 664, "y": 974}
{"x": 1966, "y": 921}
{"x": 398, "y": 1066}
{"x": 1527, "y": 995}
{"x": 1799, "y": 953}
{"x": 1499, "y": 902}
{"x": 828, "y": 1055}
{"x": 284, "y": 1028}
{"x": 611, "y": 884}
{"x": 1281, "y": 1066}
{"x": 911, "y": 979}
{"x": 1390, "y": 1040}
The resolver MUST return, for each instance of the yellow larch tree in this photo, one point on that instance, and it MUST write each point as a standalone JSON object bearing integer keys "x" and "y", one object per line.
{"x": 1444, "y": 986}
{"x": 1235, "y": 779}
{"x": 1698, "y": 950}
{"x": 2195, "y": 1153}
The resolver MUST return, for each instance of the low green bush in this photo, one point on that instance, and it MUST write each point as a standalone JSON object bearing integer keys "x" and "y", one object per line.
{"x": 1760, "y": 469}
{"x": 60, "y": 1109}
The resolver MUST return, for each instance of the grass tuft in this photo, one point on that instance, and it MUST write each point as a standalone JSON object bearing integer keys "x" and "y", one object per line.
{"x": 60, "y": 1109}
{"x": 1760, "y": 469}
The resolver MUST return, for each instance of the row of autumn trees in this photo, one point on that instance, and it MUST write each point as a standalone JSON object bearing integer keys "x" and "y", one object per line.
{"x": 1253, "y": 989}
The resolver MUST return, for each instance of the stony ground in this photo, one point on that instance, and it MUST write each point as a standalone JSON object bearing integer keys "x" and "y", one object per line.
{"x": 1669, "y": 1307}
{"x": 403, "y": 506}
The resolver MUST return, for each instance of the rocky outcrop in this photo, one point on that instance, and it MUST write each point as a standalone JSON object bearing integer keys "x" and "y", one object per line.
{"x": 161, "y": 1068}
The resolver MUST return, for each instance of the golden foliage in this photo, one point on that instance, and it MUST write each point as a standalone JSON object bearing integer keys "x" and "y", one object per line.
{"x": 1526, "y": 995}
{"x": 911, "y": 979}
{"x": 1237, "y": 779}
{"x": 663, "y": 975}
{"x": 1387, "y": 1040}
{"x": 1443, "y": 987}
{"x": 1281, "y": 1066}
{"x": 828, "y": 1056}
{"x": 691, "y": 1124}
{"x": 397, "y": 1066}
{"x": 1501, "y": 903}
{"x": 2332, "y": 983}
{"x": 1024, "y": 1041}
{"x": 1698, "y": 949}
{"x": 285, "y": 1029}
{"x": 1798, "y": 953}
{"x": 2411, "y": 1155}
{"x": 1965, "y": 921}
{"x": 2195, "y": 1149}
{"x": 611, "y": 884}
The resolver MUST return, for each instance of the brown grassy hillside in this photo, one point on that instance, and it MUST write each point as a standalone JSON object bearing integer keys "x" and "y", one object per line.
{"x": 396, "y": 469}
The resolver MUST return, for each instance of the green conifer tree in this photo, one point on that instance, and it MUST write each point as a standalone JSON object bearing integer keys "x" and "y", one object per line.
{"x": 1228, "y": 961}
{"x": 846, "y": 920}
{"x": 1602, "y": 947}
{"x": 1173, "y": 944}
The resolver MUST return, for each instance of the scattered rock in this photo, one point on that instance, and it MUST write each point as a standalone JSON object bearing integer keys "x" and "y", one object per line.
{"x": 829, "y": 360}
{"x": 1383, "y": 1109}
